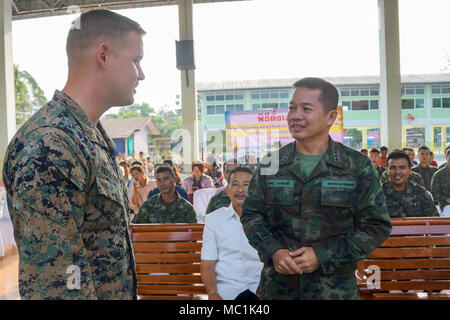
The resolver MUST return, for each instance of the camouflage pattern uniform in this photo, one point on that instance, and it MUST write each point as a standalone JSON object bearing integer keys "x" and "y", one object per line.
{"x": 155, "y": 210}
{"x": 69, "y": 207}
{"x": 440, "y": 187}
{"x": 414, "y": 201}
{"x": 339, "y": 210}
{"x": 218, "y": 201}
{"x": 380, "y": 171}
{"x": 413, "y": 177}
{"x": 426, "y": 173}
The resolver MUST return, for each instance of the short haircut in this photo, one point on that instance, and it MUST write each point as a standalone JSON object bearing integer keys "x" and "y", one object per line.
{"x": 199, "y": 165}
{"x": 329, "y": 95}
{"x": 445, "y": 151}
{"x": 424, "y": 148}
{"x": 168, "y": 162}
{"x": 239, "y": 169}
{"x": 408, "y": 149}
{"x": 93, "y": 25}
{"x": 138, "y": 168}
{"x": 138, "y": 163}
{"x": 375, "y": 150}
{"x": 383, "y": 148}
{"x": 125, "y": 163}
{"x": 165, "y": 168}
{"x": 363, "y": 150}
{"x": 398, "y": 154}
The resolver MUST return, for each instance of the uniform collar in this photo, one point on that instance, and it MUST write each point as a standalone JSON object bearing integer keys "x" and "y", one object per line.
{"x": 331, "y": 157}
{"x": 97, "y": 133}
{"x": 160, "y": 199}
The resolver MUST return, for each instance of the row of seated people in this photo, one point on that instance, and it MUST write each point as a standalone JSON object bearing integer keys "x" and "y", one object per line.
{"x": 406, "y": 185}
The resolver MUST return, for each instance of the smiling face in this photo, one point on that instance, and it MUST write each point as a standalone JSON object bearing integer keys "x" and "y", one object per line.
{"x": 124, "y": 71}
{"x": 307, "y": 118}
{"x": 237, "y": 188}
{"x": 375, "y": 158}
{"x": 398, "y": 171}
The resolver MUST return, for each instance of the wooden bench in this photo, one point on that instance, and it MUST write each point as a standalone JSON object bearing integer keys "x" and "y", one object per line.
{"x": 168, "y": 261}
{"x": 414, "y": 262}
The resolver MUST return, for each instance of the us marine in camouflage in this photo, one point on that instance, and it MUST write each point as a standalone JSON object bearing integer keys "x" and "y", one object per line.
{"x": 221, "y": 199}
{"x": 312, "y": 220}
{"x": 440, "y": 185}
{"x": 167, "y": 206}
{"x": 66, "y": 194}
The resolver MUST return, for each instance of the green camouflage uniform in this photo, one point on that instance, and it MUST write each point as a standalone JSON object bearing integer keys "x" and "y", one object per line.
{"x": 413, "y": 177}
{"x": 339, "y": 210}
{"x": 440, "y": 187}
{"x": 218, "y": 201}
{"x": 155, "y": 210}
{"x": 69, "y": 207}
{"x": 426, "y": 173}
{"x": 380, "y": 171}
{"x": 414, "y": 201}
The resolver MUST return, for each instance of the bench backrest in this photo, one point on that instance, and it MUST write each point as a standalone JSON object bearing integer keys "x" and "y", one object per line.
{"x": 168, "y": 260}
{"x": 414, "y": 261}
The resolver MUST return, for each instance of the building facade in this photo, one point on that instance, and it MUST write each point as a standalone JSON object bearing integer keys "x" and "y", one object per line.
{"x": 425, "y": 107}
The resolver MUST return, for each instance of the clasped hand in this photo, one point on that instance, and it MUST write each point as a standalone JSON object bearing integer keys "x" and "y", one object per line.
{"x": 303, "y": 260}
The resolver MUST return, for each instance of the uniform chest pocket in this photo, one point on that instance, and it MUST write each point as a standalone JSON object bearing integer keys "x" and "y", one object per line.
{"x": 108, "y": 189}
{"x": 338, "y": 194}
{"x": 280, "y": 192}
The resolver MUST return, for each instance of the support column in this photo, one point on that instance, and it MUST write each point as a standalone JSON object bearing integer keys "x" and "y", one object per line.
{"x": 390, "y": 80}
{"x": 188, "y": 95}
{"x": 7, "y": 103}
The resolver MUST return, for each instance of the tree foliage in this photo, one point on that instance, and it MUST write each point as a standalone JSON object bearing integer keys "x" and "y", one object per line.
{"x": 166, "y": 120}
{"x": 29, "y": 97}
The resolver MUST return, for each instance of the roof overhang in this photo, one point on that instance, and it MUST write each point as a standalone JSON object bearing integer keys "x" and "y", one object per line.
{"x": 25, "y": 9}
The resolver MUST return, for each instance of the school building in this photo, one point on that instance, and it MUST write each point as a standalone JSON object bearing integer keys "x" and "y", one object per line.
{"x": 425, "y": 106}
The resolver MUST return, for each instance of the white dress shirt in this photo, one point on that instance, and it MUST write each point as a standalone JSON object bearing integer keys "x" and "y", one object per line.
{"x": 238, "y": 266}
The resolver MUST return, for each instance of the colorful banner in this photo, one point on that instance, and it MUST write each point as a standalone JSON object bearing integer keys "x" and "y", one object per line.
{"x": 258, "y": 131}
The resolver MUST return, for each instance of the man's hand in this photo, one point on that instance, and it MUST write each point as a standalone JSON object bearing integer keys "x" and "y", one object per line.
{"x": 214, "y": 296}
{"x": 306, "y": 259}
{"x": 284, "y": 263}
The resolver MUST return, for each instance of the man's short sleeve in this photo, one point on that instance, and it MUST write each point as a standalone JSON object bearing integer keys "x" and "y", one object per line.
{"x": 209, "y": 246}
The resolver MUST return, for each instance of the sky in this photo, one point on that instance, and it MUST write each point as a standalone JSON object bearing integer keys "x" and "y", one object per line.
{"x": 257, "y": 39}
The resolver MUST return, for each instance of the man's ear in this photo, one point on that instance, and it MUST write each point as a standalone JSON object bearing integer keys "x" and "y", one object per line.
{"x": 331, "y": 117}
{"x": 102, "y": 53}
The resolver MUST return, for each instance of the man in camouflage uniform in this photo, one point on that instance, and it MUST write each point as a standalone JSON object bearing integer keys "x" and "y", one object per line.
{"x": 221, "y": 199}
{"x": 424, "y": 168}
{"x": 167, "y": 206}
{"x": 66, "y": 194}
{"x": 440, "y": 185}
{"x": 413, "y": 177}
{"x": 405, "y": 198}
{"x": 374, "y": 156}
{"x": 314, "y": 207}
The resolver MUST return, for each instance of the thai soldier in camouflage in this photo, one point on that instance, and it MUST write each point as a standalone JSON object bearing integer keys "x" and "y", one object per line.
{"x": 167, "y": 206}
{"x": 374, "y": 156}
{"x": 413, "y": 177}
{"x": 311, "y": 228}
{"x": 424, "y": 168}
{"x": 405, "y": 198}
{"x": 440, "y": 185}
{"x": 66, "y": 194}
{"x": 221, "y": 199}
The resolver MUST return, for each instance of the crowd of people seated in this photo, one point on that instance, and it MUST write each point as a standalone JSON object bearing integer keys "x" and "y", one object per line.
{"x": 413, "y": 188}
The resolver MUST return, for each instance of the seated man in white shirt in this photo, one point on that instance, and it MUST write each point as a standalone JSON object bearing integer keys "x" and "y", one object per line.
{"x": 230, "y": 267}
